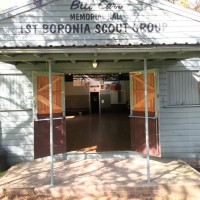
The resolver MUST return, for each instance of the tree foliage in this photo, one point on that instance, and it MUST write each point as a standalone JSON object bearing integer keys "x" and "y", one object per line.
{"x": 191, "y": 4}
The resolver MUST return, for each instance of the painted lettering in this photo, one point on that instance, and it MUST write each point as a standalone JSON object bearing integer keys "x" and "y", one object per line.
{"x": 76, "y": 4}
{"x": 157, "y": 28}
{"x": 85, "y": 16}
{"x": 143, "y": 27}
{"x": 60, "y": 28}
{"x": 148, "y": 27}
{"x": 53, "y": 28}
{"x": 111, "y": 28}
{"x": 164, "y": 25}
{"x": 104, "y": 4}
{"x": 135, "y": 27}
{"x": 29, "y": 29}
{"x": 35, "y": 28}
{"x": 83, "y": 28}
{"x": 45, "y": 28}
{"x": 116, "y": 16}
{"x": 66, "y": 28}
{"x": 87, "y": 29}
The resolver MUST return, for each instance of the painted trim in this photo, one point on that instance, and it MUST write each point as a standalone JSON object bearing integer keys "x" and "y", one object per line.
{"x": 131, "y": 92}
{"x": 150, "y": 49}
{"x": 34, "y": 79}
{"x": 181, "y": 106}
{"x": 13, "y": 110}
{"x": 63, "y": 95}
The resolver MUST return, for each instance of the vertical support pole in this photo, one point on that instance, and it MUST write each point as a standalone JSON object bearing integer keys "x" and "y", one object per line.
{"x": 131, "y": 94}
{"x": 51, "y": 121}
{"x": 90, "y": 109}
{"x": 146, "y": 119}
{"x": 99, "y": 101}
{"x": 99, "y": 94}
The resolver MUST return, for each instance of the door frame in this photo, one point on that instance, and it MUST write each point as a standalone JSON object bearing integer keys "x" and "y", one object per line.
{"x": 95, "y": 89}
{"x": 99, "y": 106}
{"x": 157, "y": 108}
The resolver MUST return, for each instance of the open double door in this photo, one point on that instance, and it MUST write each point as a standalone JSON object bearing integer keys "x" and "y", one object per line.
{"x": 138, "y": 139}
{"x": 42, "y": 121}
{"x": 42, "y": 116}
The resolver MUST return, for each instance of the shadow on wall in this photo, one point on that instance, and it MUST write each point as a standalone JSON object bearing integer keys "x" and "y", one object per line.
{"x": 17, "y": 140}
{"x": 3, "y": 155}
{"x": 16, "y": 126}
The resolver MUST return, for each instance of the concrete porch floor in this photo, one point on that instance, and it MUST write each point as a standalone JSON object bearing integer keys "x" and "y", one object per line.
{"x": 110, "y": 177}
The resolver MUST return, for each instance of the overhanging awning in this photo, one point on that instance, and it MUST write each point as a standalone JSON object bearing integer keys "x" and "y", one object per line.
{"x": 80, "y": 59}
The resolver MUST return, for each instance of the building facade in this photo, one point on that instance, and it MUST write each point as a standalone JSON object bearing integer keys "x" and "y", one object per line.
{"x": 121, "y": 38}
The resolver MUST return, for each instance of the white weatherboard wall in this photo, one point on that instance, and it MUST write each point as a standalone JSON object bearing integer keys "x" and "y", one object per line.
{"x": 16, "y": 111}
{"x": 179, "y": 125}
{"x": 16, "y": 121}
{"x": 72, "y": 22}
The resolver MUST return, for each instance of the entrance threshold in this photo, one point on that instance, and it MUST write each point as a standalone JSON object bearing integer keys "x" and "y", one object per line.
{"x": 75, "y": 155}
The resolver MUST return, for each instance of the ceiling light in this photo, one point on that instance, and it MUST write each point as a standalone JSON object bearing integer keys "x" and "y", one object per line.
{"x": 94, "y": 64}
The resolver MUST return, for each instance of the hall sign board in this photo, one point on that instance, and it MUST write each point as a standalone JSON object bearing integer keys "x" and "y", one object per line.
{"x": 98, "y": 22}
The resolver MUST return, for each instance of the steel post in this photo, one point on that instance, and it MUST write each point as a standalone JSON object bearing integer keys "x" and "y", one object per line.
{"x": 146, "y": 119}
{"x": 51, "y": 121}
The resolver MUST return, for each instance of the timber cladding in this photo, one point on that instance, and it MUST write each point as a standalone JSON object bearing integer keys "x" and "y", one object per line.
{"x": 179, "y": 122}
{"x": 16, "y": 125}
{"x": 74, "y": 22}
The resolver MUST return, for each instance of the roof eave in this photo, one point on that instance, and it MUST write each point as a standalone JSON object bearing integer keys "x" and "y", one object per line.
{"x": 156, "y": 49}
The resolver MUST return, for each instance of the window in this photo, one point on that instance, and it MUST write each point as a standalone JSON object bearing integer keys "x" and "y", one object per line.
{"x": 183, "y": 88}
